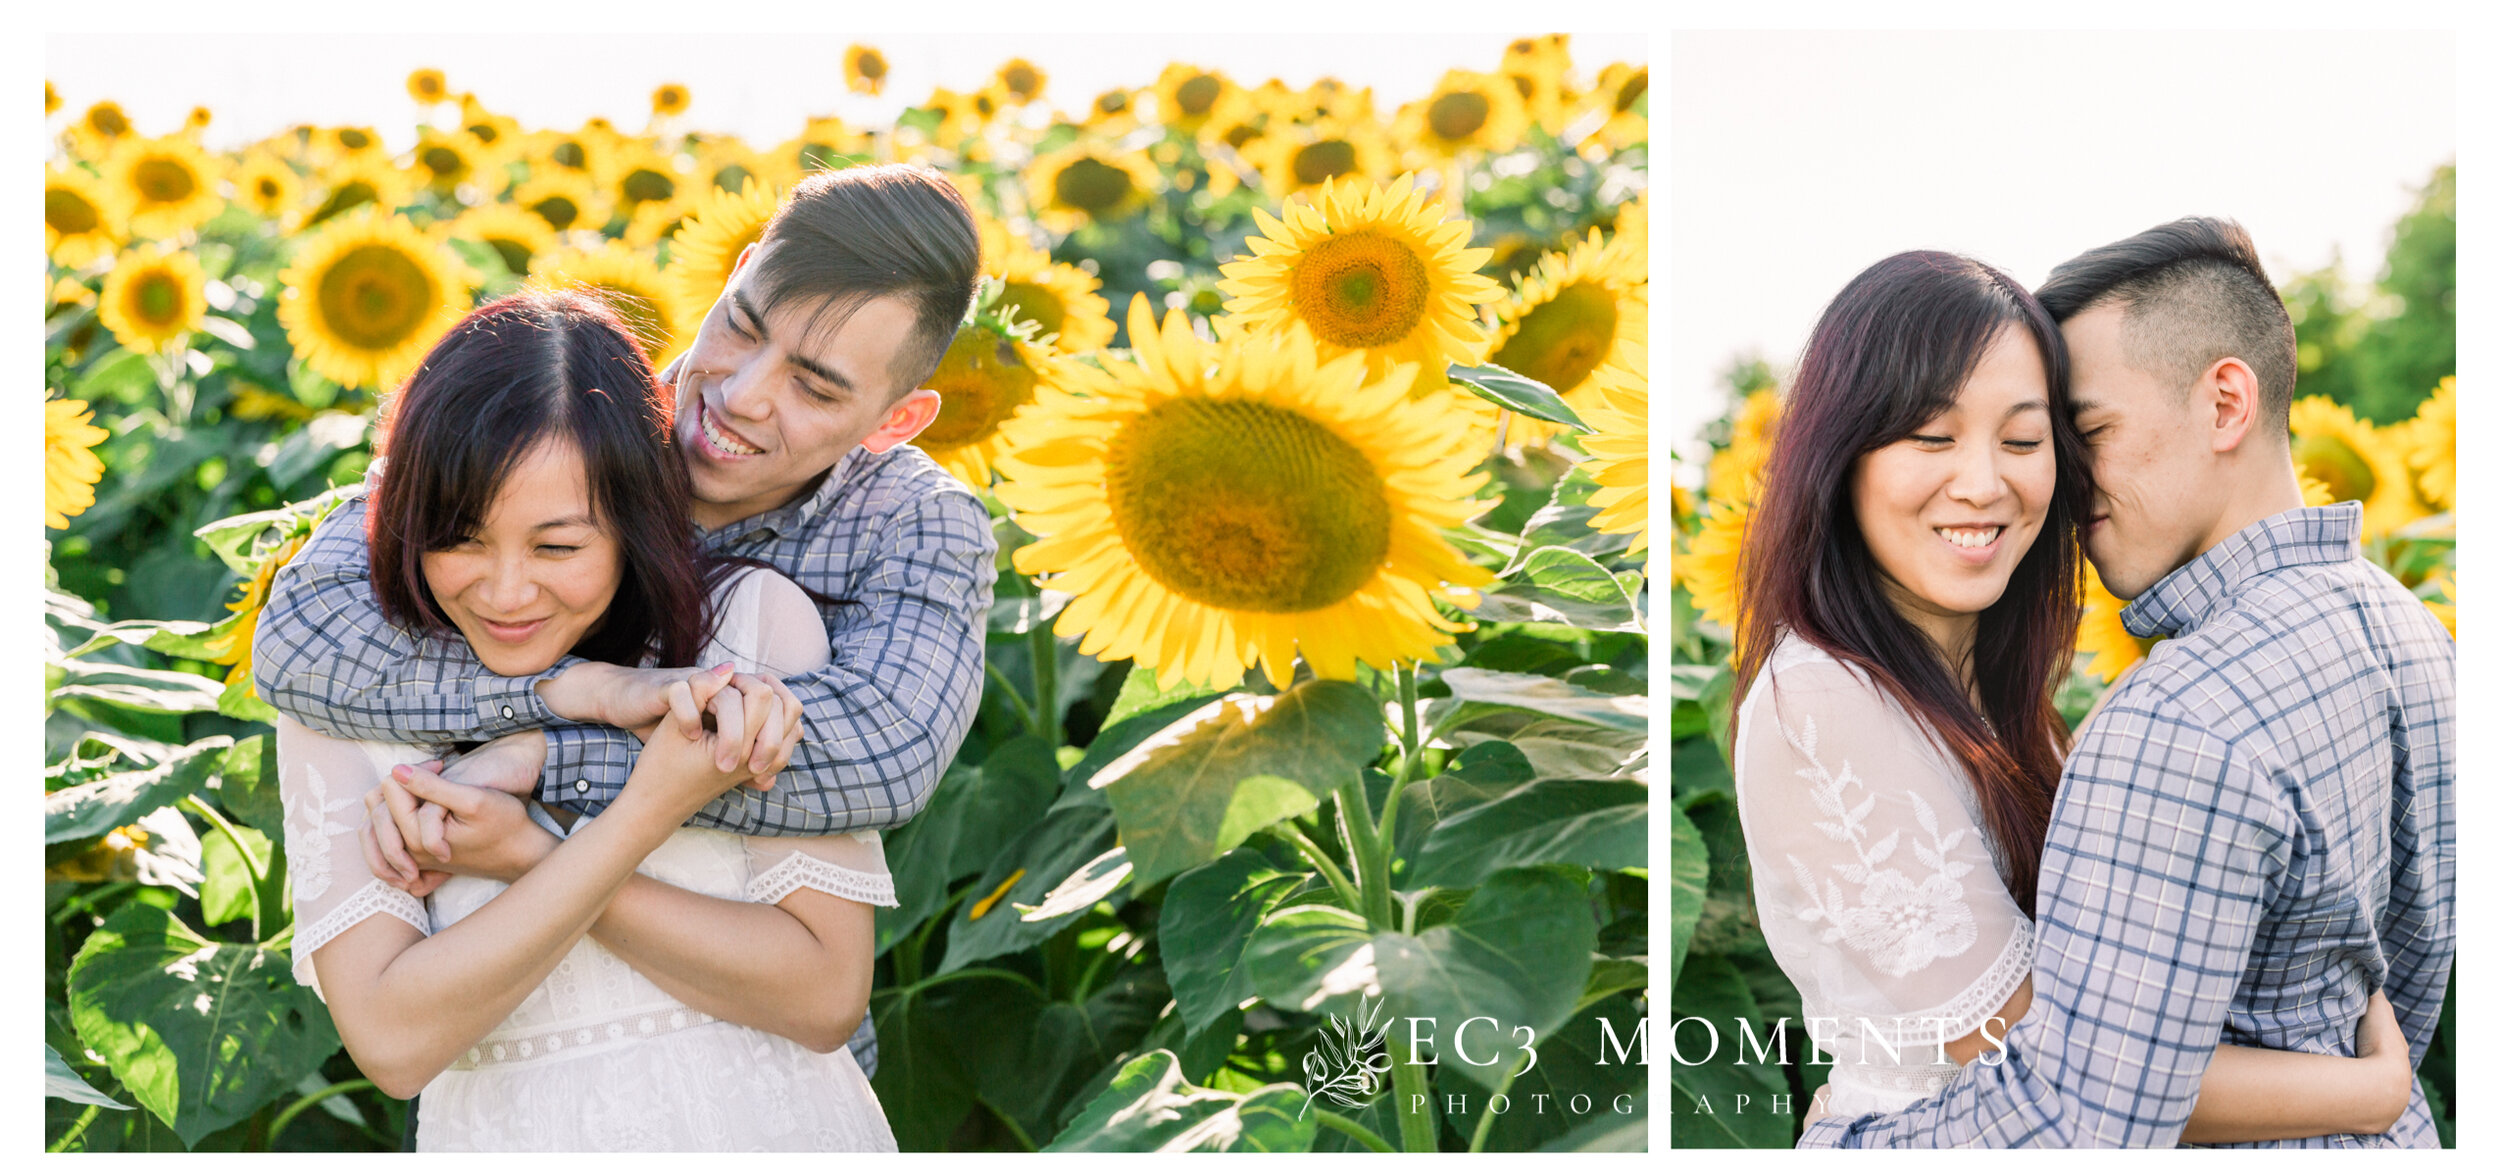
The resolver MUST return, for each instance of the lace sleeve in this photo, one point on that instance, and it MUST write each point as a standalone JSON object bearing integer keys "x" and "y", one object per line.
{"x": 1870, "y": 867}
{"x": 322, "y": 782}
{"x": 845, "y": 865}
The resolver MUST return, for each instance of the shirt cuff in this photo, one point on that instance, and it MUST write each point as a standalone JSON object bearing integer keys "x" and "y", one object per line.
{"x": 506, "y": 705}
{"x": 587, "y": 764}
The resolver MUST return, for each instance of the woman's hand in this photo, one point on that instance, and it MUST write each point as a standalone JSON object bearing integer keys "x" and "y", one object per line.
{"x": 483, "y": 832}
{"x": 684, "y": 766}
{"x": 2379, "y": 1044}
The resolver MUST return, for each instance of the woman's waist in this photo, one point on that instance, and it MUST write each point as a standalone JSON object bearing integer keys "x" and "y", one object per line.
{"x": 522, "y": 1039}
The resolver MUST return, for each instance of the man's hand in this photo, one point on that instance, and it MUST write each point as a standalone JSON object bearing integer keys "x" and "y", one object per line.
{"x": 510, "y": 764}
{"x": 759, "y": 722}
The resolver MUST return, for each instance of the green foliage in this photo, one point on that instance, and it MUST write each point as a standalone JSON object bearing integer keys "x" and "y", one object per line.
{"x": 2382, "y": 352}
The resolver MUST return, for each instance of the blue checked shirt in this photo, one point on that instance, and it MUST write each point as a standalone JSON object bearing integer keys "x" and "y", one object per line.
{"x": 894, "y": 533}
{"x": 2256, "y": 832}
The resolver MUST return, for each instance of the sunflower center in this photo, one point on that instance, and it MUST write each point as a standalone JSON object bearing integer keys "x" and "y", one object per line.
{"x": 1458, "y": 114}
{"x": 979, "y": 384}
{"x": 108, "y": 121}
{"x": 69, "y": 213}
{"x": 164, "y": 181}
{"x": 643, "y": 184}
{"x": 444, "y": 162}
{"x": 1092, "y": 185}
{"x": 1240, "y": 135}
{"x": 1316, "y": 163}
{"x": 1025, "y": 300}
{"x": 569, "y": 154}
{"x": 2334, "y": 461}
{"x": 558, "y": 211}
{"x": 1197, "y": 95}
{"x": 1021, "y": 80}
{"x": 1111, "y": 102}
{"x": 872, "y": 65}
{"x": 1633, "y": 88}
{"x": 1561, "y": 341}
{"x": 157, "y": 300}
{"x": 516, "y": 256}
{"x": 375, "y": 296}
{"x": 1248, "y": 506}
{"x": 354, "y": 140}
{"x": 484, "y": 133}
{"x": 1361, "y": 289}
{"x": 731, "y": 177}
{"x": 1524, "y": 84}
{"x": 268, "y": 189}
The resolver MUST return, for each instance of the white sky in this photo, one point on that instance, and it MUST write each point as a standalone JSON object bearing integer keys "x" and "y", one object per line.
{"x": 1801, "y": 158}
{"x": 761, "y": 88}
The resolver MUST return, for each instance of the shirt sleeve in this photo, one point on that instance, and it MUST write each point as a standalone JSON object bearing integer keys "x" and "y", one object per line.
{"x": 844, "y": 865}
{"x": 2420, "y": 935}
{"x": 322, "y": 782}
{"x": 2165, "y": 850}
{"x": 1871, "y": 872}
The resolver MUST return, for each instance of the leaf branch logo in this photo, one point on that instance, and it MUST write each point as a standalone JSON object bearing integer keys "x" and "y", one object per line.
{"x": 1348, "y": 1065}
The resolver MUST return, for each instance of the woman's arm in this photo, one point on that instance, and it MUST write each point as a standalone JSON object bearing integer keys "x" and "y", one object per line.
{"x": 2251, "y": 1094}
{"x": 799, "y": 968}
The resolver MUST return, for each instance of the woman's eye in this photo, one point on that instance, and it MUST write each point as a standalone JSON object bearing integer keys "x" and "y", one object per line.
{"x": 2022, "y": 446}
{"x": 1925, "y": 439}
{"x": 557, "y": 548}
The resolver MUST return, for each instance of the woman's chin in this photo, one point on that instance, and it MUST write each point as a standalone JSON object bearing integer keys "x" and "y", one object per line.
{"x": 510, "y": 664}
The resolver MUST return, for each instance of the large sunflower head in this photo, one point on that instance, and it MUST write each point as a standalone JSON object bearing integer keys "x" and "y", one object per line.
{"x": 864, "y": 68}
{"x": 1577, "y": 311}
{"x": 517, "y": 236}
{"x": 82, "y": 217}
{"x": 1088, "y": 182}
{"x": 718, "y": 228}
{"x": 989, "y": 374}
{"x": 1211, "y": 506}
{"x": 633, "y": 286}
{"x": 1296, "y": 158}
{"x": 168, "y": 183}
{"x": 367, "y": 295}
{"x": 1186, "y": 97}
{"x": 363, "y": 181}
{"x": 269, "y": 187}
{"x": 1467, "y": 113}
{"x": 2434, "y": 453}
{"x": 154, "y": 298}
{"x": 1617, "y": 442}
{"x": 565, "y": 200}
{"x": 70, "y": 467}
{"x": 1366, "y": 269}
{"x": 2357, "y": 464}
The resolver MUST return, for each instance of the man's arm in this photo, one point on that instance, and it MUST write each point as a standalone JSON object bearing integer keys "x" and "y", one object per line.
{"x": 884, "y": 719}
{"x": 2163, "y": 854}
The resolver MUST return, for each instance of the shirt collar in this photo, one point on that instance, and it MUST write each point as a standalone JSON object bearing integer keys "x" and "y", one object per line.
{"x": 799, "y": 512}
{"x": 2209, "y": 583}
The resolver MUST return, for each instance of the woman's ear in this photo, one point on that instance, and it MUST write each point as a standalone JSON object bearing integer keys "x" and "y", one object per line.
{"x": 903, "y": 420}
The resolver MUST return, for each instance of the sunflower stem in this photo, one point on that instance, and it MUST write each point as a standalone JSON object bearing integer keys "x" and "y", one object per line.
{"x": 1015, "y": 697}
{"x": 1045, "y": 683}
{"x": 1418, "y": 1131}
{"x": 1410, "y": 745}
{"x": 1352, "y": 1130}
{"x": 1354, "y": 812}
{"x": 1319, "y": 859}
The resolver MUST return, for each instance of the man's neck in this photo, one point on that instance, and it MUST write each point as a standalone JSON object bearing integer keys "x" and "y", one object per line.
{"x": 2265, "y": 485}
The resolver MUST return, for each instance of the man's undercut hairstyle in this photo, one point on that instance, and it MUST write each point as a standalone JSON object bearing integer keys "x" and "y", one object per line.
{"x": 2192, "y": 292}
{"x": 863, "y": 233}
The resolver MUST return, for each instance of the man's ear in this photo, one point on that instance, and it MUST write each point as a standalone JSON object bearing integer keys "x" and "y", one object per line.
{"x": 2236, "y": 403}
{"x": 745, "y": 255}
{"x": 903, "y": 421}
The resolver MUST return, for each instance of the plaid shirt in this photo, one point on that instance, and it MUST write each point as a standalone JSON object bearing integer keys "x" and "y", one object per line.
{"x": 2256, "y": 832}
{"x": 894, "y": 533}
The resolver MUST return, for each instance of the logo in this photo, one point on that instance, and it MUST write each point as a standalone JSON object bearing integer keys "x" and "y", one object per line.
{"x": 1349, "y": 1063}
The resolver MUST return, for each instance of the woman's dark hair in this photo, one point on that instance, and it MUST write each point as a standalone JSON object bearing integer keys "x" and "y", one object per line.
{"x": 1890, "y": 354}
{"x": 519, "y": 372}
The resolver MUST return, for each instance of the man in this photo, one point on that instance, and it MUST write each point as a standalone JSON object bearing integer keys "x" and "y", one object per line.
{"x": 2257, "y": 830}
{"x": 793, "y": 408}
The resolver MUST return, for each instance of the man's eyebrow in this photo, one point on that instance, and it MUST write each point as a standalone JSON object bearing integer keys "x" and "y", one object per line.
{"x": 2077, "y": 406}
{"x": 801, "y": 362}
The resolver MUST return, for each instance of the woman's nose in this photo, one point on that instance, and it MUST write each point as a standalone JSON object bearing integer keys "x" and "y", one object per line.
{"x": 508, "y": 589}
{"x": 1976, "y": 479}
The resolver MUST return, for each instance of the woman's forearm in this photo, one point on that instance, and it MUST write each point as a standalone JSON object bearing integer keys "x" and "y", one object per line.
{"x": 2251, "y": 1095}
{"x": 751, "y": 963}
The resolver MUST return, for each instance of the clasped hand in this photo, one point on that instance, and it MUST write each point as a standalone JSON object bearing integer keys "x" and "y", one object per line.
{"x": 427, "y": 823}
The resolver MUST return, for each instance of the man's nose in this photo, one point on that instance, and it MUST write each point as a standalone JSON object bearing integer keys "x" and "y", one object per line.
{"x": 743, "y": 394}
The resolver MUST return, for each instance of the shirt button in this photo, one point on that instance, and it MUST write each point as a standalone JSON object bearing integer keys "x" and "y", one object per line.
{"x": 581, "y": 785}
{"x": 507, "y": 712}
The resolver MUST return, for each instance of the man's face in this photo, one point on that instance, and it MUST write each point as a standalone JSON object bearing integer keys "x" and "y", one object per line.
{"x": 2153, "y": 466}
{"x": 764, "y": 407}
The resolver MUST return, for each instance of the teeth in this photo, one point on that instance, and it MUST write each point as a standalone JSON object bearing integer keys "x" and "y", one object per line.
{"x": 1967, "y": 537}
{"x": 726, "y": 445}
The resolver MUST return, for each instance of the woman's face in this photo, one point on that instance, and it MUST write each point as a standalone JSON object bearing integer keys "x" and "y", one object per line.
{"x": 1950, "y": 509}
{"x": 538, "y": 573}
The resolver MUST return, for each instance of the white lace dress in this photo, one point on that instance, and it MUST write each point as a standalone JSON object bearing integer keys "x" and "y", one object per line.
{"x": 1874, "y": 879}
{"x": 598, "y": 1057}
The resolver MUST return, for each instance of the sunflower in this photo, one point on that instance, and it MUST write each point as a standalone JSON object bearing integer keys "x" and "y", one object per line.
{"x": 2443, "y": 586}
{"x": 987, "y": 376}
{"x": 1574, "y": 313}
{"x": 1467, "y": 112}
{"x": 718, "y": 228}
{"x": 1631, "y": 232}
{"x": 515, "y": 234}
{"x": 1186, "y": 97}
{"x": 633, "y": 286}
{"x": 99, "y": 130}
{"x": 1113, "y": 113}
{"x": 582, "y": 153}
{"x": 1366, "y": 269}
{"x": 449, "y": 159}
{"x": 2103, "y": 637}
{"x": 670, "y": 100}
{"x": 565, "y": 200}
{"x": 957, "y": 119}
{"x": 824, "y": 144}
{"x": 1621, "y": 96}
{"x": 1537, "y": 68}
{"x": 654, "y": 221}
{"x": 726, "y": 163}
{"x": 51, "y": 99}
{"x": 2356, "y": 462}
{"x": 2434, "y": 453}
{"x": 154, "y": 298}
{"x": 64, "y": 292}
{"x": 328, "y": 146}
{"x": 1295, "y": 158}
{"x": 428, "y": 86}
{"x": 1734, "y": 469}
{"x": 70, "y": 467}
{"x": 234, "y": 646}
{"x": 269, "y": 187}
{"x": 1063, "y": 301}
{"x": 1707, "y": 566}
{"x": 1021, "y": 79}
{"x": 168, "y": 184}
{"x": 196, "y": 121}
{"x": 82, "y": 218}
{"x": 1618, "y": 447}
{"x": 499, "y": 138}
{"x": 1088, "y": 182}
{"x": 363, "y": 181}
{"x": 1216, "y": 505}
{"x": 367, "y": 295}
{"x": 1329, "y": 98}
{"x": 863, "y": 69}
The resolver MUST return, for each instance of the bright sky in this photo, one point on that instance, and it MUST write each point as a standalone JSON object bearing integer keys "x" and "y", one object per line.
{"x": 1802, "y": 158}
{"x": 761, "y": 88}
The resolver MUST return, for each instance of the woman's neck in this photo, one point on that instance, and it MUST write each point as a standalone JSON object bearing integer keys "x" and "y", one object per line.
{"x": 1954, "y": 635}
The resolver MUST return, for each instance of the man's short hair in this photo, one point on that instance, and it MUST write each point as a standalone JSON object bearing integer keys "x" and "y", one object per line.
{"x": 2192, "y": 292}
{"x": 863, "y": 233}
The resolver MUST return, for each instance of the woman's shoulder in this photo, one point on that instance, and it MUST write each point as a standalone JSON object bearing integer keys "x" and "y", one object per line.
{"x": 1799, "y": 670}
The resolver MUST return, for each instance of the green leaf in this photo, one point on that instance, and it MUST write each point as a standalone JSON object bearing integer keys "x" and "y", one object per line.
{"x": 1051, "y": 851}
{"x": 1487, "y": 689}
{"x": 1519, "y": 952}
{"x": 1015, "y": 615}
{"x": 231, "y": 890}
{"x": 201, "y": 1033}
{"x": 61, "y": 1082}
{"x": 1564, "y": 521}
{"x": 1208, "y": 916}
{"x": 1517, "y": 393}
{"x": 1141, "y": 692}
{"x": 247, "y": 784}
{"x": 101, "y": 806}
{"x": 1480, "y": 773}
{"x": 920, "y": 1080}
{"x": 977, "y": 811}
{"x": 1718, "y": 1103}
{"x": 1593, "y": 1057}
{"x": 1689, "y": 860}
{"x": 1078, "y": 892}
{"x": 1601, "y": 824}
{"x": 163, "y": 692}
{"x": 1149, "y": 1107}
{"x": 1234, "y": 767}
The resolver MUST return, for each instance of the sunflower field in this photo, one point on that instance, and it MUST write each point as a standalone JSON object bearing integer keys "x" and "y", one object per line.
{"x": 1314, "y": 434}
{"x": 2402, "y": 471}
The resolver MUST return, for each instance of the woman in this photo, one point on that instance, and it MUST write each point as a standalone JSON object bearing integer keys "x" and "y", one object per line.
{"x": 1910, "y": 602}
{"x": 532, "y": 508}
